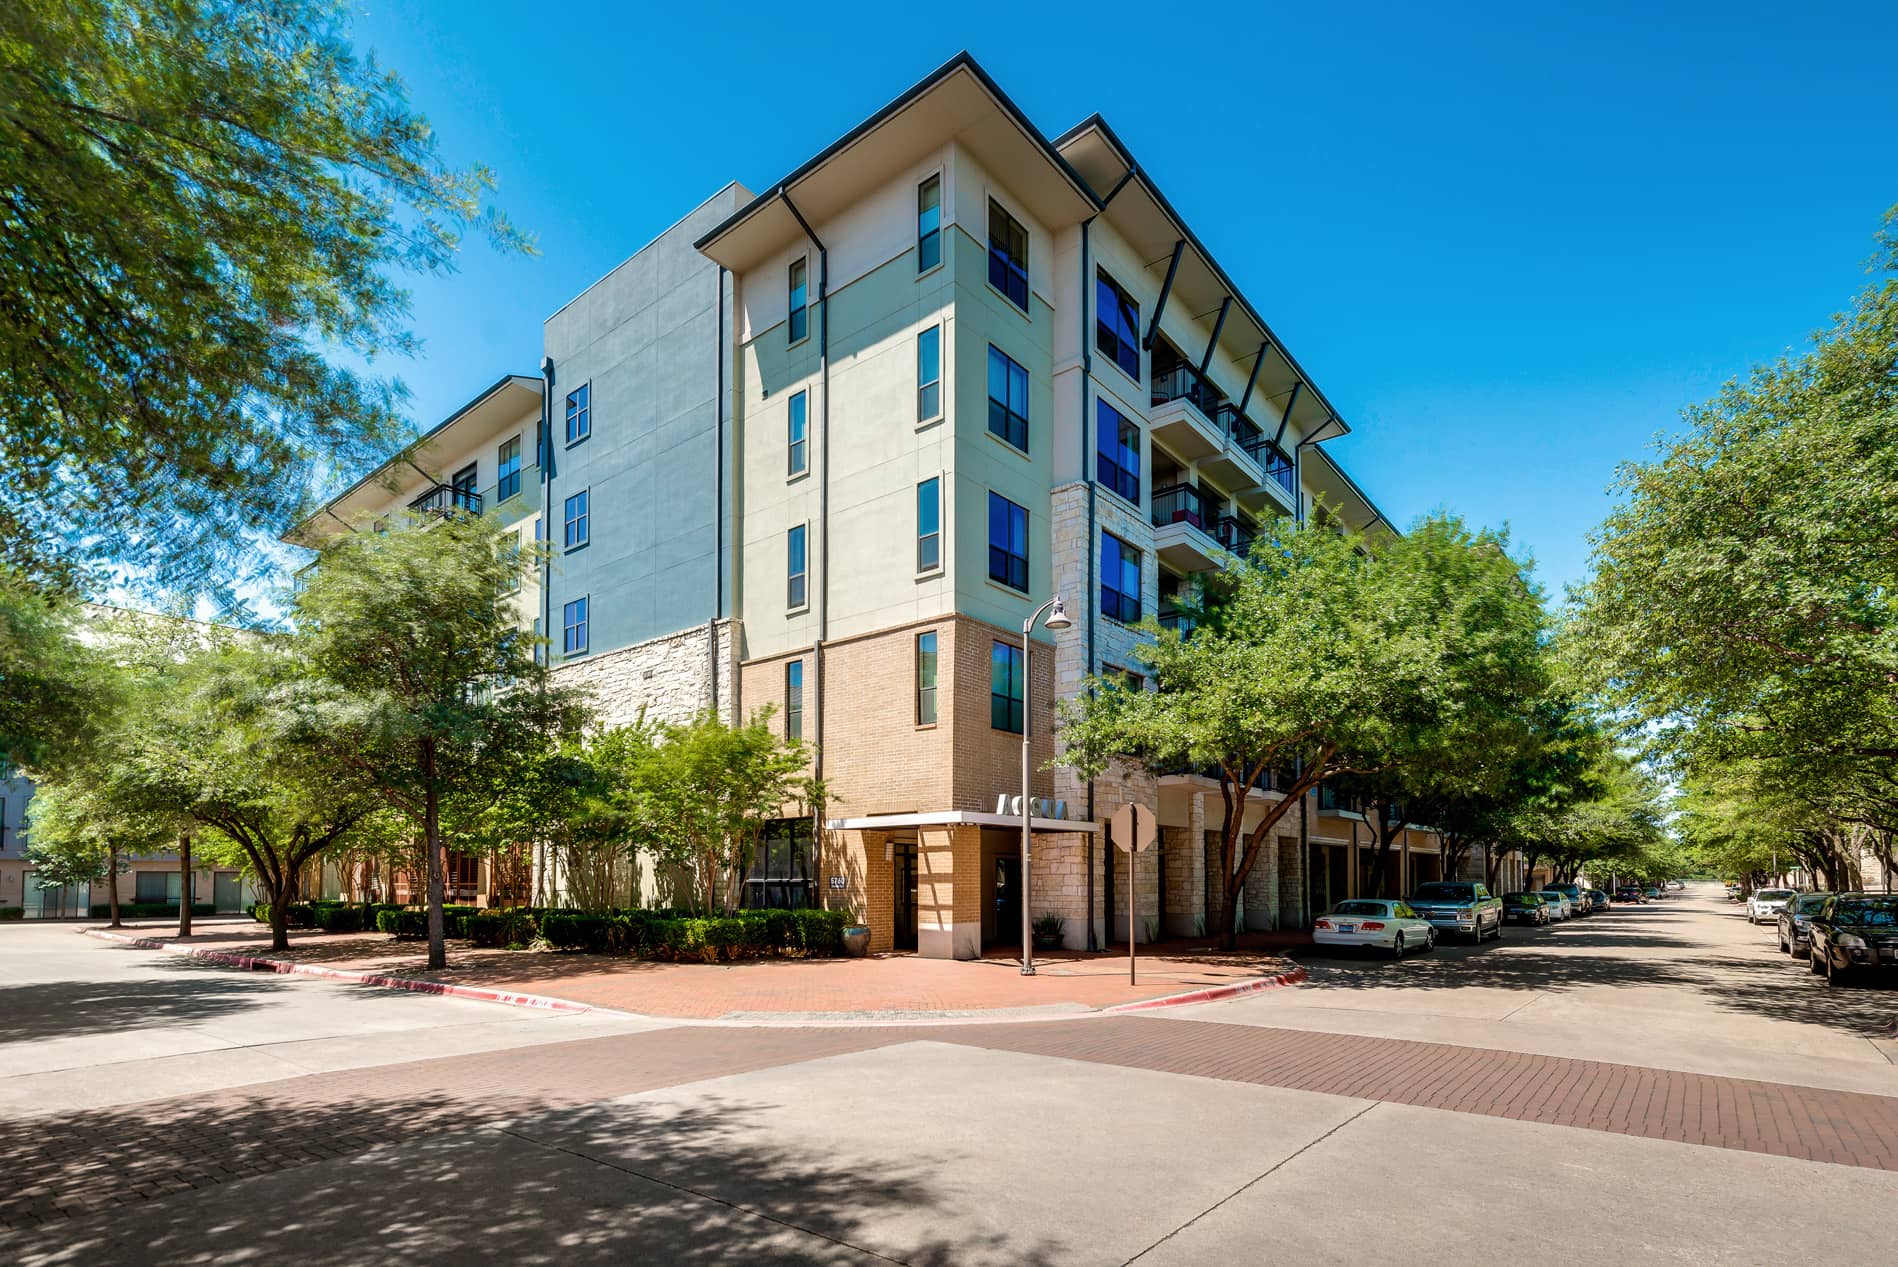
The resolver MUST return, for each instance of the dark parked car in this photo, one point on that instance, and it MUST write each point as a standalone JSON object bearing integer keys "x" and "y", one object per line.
{"x": 1794, "y": 917}
{"x": 1599, "y": 898}
{"x": 1629, "y": 893}
{"x": 1459, "y": 906}
{"x": 1853, "y": 933}
{"x": 1577, "y": 897}
{"x": 1526, "y": 908}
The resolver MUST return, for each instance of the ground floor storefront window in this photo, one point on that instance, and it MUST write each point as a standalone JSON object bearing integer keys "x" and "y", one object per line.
{"x": 780, "y": 875}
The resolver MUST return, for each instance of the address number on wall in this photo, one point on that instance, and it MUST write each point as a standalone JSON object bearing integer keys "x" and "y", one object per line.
{"x": 836, "y": 882}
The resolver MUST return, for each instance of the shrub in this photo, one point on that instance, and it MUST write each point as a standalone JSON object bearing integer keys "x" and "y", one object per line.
{"x": 400, "y": 921}
{"x": 512, "y": 926}
{"x": 148, "y": 910}
{"x": 12, "y": 912}
{"x": 340, "y": 917}
{"x": 298, "y": 914}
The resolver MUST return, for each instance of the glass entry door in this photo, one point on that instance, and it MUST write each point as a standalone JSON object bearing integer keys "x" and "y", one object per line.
{"x": 1007, "y": 900}
{"x": 905, "y": 913}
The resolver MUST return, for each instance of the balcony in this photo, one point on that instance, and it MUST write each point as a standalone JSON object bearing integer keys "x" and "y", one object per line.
{"x": 1186, "y": 769}
{"x": 1180, "y": 622}
{"x": 1234, "y": 466}
{"x": 1235, "y": 535}
{"x": 444, "y": 499}
{"x": 1281, "y": 477}
{"x": 1183, "y": 529}
{"x": 1182, "y": 417}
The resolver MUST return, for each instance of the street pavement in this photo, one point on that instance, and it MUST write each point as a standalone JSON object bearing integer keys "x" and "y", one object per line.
{"x": 1656, "y": 1084}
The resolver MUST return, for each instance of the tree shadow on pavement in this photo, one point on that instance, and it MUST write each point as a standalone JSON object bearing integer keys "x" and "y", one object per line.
{"x": 396, "y": 1180}
{"x": 185, "y": 994}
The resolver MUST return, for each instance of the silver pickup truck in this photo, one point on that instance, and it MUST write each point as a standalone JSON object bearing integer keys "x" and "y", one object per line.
{"x": 1459, "y": 906}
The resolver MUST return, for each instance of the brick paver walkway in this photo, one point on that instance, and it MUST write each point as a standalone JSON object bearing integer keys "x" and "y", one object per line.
{"x": 84, "y": 1163}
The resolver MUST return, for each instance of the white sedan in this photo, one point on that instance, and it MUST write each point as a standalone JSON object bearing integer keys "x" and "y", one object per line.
{"x": 1766, "y": 904}
{"x": 1387, "y": 925}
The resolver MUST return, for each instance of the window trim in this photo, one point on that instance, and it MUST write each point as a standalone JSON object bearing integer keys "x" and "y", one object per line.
{"x": 1122, "y": 551}
{"x": 791, "y": 312}
{"x": 1101, "y": 402}
{"x": 936, "y": 568}
{"x": 501, "y": 473}
{"x": 797, "y": 446}
{"x": 584, "y": 625}
{"x": 923, "y": 270}
{"x": 801, "y": 534}
{"x": 794, "y": 703}
{"x": 1014, "y": 656}
{"x": 929, "y": 419}
{"x": 1101, "y": 275}
{"x": 568, "y": 519}
{"x": 935, "y": 686}
{"x": 584, "y": 413}
{"x": 1026, "y": 303}
{"x": 1008, "y": 412}
{"x": 1027, "y": 523}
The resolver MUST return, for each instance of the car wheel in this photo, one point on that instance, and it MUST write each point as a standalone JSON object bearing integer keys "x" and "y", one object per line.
{"x": 1784, "y": 948}
{"x": 1397, "y": 947}
{"x": 1812, "y": 959}
{"x": 1430, "y": 941}
{"x": 1835, "y": 975}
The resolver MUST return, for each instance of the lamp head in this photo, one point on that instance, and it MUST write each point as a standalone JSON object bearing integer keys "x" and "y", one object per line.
{"x": 1058, "y": 615}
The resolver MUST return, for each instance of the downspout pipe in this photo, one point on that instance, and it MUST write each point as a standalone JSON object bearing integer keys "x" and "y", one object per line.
{"x": 823, "y": 491}
{"x": 546, "y": 503}
{"x": 1087, "y": 475}
{"x": 718, "y": 497}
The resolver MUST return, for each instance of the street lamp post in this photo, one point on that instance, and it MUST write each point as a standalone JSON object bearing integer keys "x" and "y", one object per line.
{"x": 1057, "y": 620}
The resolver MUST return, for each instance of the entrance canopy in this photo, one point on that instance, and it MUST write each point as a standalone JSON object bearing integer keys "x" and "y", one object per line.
{"x": 957, "y": 818}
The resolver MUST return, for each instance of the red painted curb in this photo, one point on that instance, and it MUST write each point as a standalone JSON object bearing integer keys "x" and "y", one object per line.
{"x": 1213, "y": 994}
{"x": 288, "y": 967}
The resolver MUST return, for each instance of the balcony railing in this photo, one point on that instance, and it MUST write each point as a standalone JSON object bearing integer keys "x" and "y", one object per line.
{"x": 1183, "y": 382}
{"x": 1182, "y": 503}
{"x": 444, "y": 498}
{"x": 1180, "y": 622}
{"x": 1273, "y": 461}
{"x": 1244, "y": 432}
{"x": 1211, "y": 771}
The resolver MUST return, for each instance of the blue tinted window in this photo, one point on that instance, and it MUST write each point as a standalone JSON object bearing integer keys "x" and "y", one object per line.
{"x": 577, "y": 532}
{"x": 798, "y": 458}
{"x": 1005, "y": 687}
{"x": 799, "y": 323}
{"x": 1117, "y": 324}
{"x": 1008, "y": 543}
{"x": 929, "y": 224}
{"x": 929, "y": 525}
{"x": 929, "y": 374}
{"x": 1008, "y": 399}
{"x": 508, "y": 470}
{"x": 573, "y": 622}
{"x": 1117, "y": 451}
{"x": 794, "y": 700}
{"x": 1008, "y": 255}
{"x": 579, "y": 413}
{"x": 794, "y": 550}
{"x": 1120, "y": 580}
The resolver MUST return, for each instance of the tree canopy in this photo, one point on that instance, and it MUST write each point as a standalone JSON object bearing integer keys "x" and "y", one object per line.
{"x": 202, "y": 205}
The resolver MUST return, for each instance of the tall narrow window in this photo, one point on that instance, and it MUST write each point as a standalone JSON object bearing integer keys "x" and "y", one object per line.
{"x": 1005, "y": 687}
{"x": 794, "y": 700}
{"x": 577, "y": 531}
{"x": 926, "y": 678}
{"x": 1117, "y": 324}
{"x": 579, "y": 413}
{"x": 1117, "y": 451}
{"x": 929, "y": 525}
{"x": 798, "y": 434}
{"x": 800, "y": 322}
{"x": 1008, "y": 255}
{"x": 1120, "y": 580}
{"x": 573, "y": 628}
{"x": 511, "y": 556}
{"x": 507, "y": 481}
{"x": 1008, "y": 543}
{"x": 929, "y": 224}
{"x": 1008, "y": 399}
{"x": 929, "y": 374}
{"x": 794, "y": 596}
{"x": 540, "y": 642}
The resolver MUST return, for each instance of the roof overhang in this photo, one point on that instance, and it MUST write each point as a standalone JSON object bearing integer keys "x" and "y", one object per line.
{"x": 490, "y": 411}
{"x": 1141, "y": 214}
{"x": 958, "y": 102}
{"x": 956, "y": 818}
{"x": 1341, "y": 495}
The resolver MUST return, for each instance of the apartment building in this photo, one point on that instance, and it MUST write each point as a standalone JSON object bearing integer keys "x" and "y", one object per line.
{"x": 828, "y": 447}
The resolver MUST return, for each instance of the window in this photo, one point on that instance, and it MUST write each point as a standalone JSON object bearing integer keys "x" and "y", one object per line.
{"x": 929, "y": 374}
{"x": 511, "y": 556}
{"x": 1005, "y": 683}
{"x": 1120, "y": 580}
{"x": 1008, "y": 255}
{"x": 794, "y": 700}
{"x": 926, "y": 678}
{"x": 794, "y": 566}
{"x": 573, "y": 628}
{"x": 1124, "y": 679}
{"x": 929, "y": 525}
{"x": 1117, "y": 451}
{"x": 1008, "y": 543}
{"x": 1117, "y": 325}
{"x": 463, "y": 491}
{"x": 540, "y": 643}
{"x": 508, "y": 471}
{"x": 577, "y": 534}
{"x": 1008, "y": 399}
{"x": 579, "y": 414}
{"x": 800, "y": 322}
{"x": 780, "y": 870}
{"x": 929, "y": 224}
{"x": 798, "y": 433}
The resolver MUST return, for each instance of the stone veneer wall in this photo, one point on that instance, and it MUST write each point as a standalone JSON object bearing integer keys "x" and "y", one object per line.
{"x": 671, "y": 678}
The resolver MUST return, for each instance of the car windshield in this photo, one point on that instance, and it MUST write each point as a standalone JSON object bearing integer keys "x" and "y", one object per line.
{"x": 1808, "y": 903}
{"x": 1445, "y": 893}
{"x": 1774, "y": 895}
{"x": 1553, "y": 893}
{"x": 1877, "y": 912}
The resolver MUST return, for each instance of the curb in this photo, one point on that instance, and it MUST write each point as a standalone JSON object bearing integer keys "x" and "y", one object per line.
{"x": 289, "y": 968}
{"x": 541, "y": 1002}
{"x": 1212, "y": 994}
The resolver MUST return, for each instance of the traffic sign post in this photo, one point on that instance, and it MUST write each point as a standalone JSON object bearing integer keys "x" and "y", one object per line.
{"x": 1133, "y": 828}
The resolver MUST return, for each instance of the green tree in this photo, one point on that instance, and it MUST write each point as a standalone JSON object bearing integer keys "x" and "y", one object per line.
{"x": 202, "y": 203}
{"x": 50, "y": 688}
{"x": 79, "y": 832}
{"x": 429, "y": 688}
{"x": 1318, "y": 659}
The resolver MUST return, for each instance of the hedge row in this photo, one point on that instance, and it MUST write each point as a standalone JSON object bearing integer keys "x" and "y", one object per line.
{"x": 148, "y": 910}
{"x": 12, "y": 912}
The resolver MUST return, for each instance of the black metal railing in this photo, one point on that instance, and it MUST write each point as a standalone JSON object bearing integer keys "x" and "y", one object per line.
{"x": 1182, "y": 503}
{"x": 1274, "y": 462}
{"x": 1243, "y": 431}
{"x": 1183, "y": 382}
{"x": 443, "y": 498}
{"x": 1180, "y": 622}
{"x": 1234, "y": 534}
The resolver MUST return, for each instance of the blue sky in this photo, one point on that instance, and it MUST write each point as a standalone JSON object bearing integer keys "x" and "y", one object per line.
{"x": 1509, "y": 241}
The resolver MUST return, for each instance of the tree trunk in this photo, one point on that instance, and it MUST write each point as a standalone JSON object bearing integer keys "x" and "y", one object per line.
{"x": 432, "y": 837}
{"x": 184, "y": 884}
{"x": 282, "y": 894}
{"x": 112, "y": 882}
